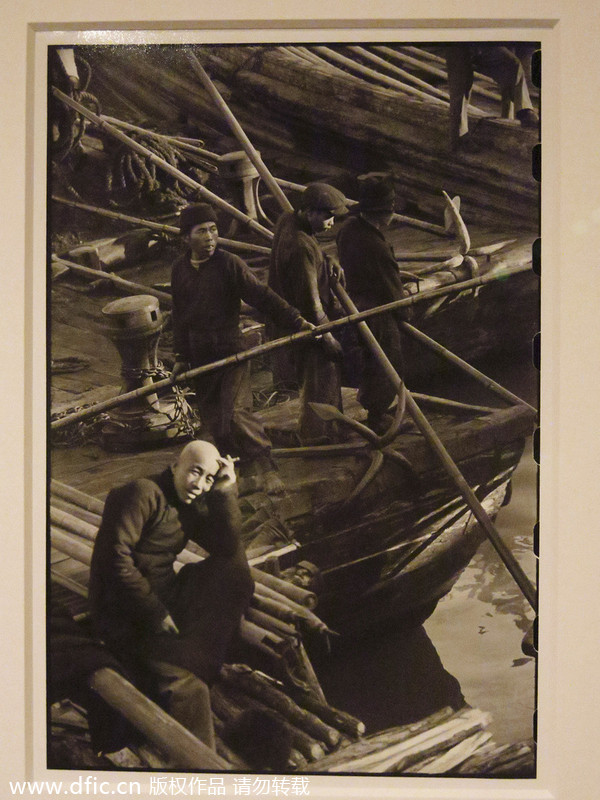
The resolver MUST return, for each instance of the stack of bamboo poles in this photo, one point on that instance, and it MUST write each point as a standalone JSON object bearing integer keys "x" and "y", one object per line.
{"x": 324, "y": 739}
{"x": 280, "y": 613}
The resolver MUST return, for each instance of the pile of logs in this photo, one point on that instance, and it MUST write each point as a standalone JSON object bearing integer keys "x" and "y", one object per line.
{"x": 324, "y": 739}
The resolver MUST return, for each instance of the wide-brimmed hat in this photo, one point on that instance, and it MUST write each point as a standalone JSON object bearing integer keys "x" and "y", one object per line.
{"x": 195, "y": 215}
{"x": 323, "y": 197}
{"x": 376, "y": 192}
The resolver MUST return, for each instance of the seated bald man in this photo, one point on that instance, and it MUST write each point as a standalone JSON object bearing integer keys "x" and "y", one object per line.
{"x": 176, "y": 626}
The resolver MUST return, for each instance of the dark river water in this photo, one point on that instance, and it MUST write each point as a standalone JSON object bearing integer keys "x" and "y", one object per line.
{"x": 471, "y": 646}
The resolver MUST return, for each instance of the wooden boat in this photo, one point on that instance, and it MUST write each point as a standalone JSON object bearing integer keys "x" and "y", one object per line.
{"x": 473, "y": 324}
{"x": 358, "y": 511}
{"x": 337, "y": 111}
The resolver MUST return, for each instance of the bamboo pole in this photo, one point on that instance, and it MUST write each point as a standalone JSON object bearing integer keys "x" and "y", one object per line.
{"x": 129, "y": 286}
{"x": 296, "y": 593}
{"x": 454, "y": 405}
{"x": 442, "y": 351}
{"x": 276, "y": 344}
{"x": 209, "y": 196}
{"x": 183, "y": 143}
{"x": 86, "y": 501}
{"x": 440, "y": 73}
{"x": 73, "y": 524}
{"x": 76, "y": 511}
{"x": 73, "y": 546}
{"x": 446, "y": 461}
{"x": 165, "y": 733}
{"x": 270, "y": 623}
{"x": 374, "y": 75}
{"x": 238, "y": 132}
{"x": 158, "y": 226}
{"x": 420, "y": 52}
{"x": 430, "y": 92}
{"x": 68, "y": 583}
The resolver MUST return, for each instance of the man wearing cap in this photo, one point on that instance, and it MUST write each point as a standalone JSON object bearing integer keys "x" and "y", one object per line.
{"x": 208, "y": 285}
{"x": 373, "y": 279}
{"x": 299, "y": 271}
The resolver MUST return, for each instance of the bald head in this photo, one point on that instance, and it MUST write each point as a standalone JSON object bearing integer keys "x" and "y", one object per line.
{"x": 195, "y": 470}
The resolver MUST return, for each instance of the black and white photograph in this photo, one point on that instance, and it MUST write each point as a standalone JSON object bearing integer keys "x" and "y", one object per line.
{"x": 293, "y": 298}
{"x": 299, "y": 334}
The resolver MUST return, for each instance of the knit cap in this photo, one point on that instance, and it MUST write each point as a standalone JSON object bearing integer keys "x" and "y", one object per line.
{"x": 195, "y": 215}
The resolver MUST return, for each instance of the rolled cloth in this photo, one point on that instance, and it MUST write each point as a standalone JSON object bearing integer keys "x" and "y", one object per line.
{"x": 195, "y": 215}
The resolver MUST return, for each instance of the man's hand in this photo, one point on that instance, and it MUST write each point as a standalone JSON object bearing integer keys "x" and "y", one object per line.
{"x": 305, "y": 325}
{"x": 225, "y": 478}
{"x": 167, "y": 625}
{"x": 179, "y": 367}
{"x": 335, "y": 271}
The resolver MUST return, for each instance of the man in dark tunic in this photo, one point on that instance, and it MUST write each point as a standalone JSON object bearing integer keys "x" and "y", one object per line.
{"x": 208, "y": 285}
{"x": 299, "y": 271}
{"x": 373, "y": 279}
{"x": 174, "y": 626}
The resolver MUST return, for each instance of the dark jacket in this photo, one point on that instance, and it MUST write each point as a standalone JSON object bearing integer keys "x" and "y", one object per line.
{"x": 367, "y": 258}
{"x": 207, "y": 301}
{"x": 144, "y": 527}
{"x": 298, "y": 269}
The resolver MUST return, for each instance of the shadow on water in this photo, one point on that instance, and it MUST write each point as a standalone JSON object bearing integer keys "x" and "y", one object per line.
{"x": 388, "y": 677}
{"x": 470, "y": 648}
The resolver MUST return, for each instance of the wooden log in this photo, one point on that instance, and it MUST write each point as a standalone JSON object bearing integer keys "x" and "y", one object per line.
{"x": 310, "y": 748}
{"x": 163, "y": 731}
{"x": 251, "y": 683}
{"x": 75, "y": 496}
{"x": 296, "y": 593}
{"x": 340, "y": 720}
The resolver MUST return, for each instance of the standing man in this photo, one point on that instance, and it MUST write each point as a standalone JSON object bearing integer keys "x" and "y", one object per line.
{"x": 208, "y": 285}
{"x": 499, "y": 63}
{"x": 373, "y": 279}
{"x": 299, "y": 271}
{"x": 176, "y": 627}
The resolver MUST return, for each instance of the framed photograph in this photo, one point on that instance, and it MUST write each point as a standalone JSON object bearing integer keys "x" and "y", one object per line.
{"x": 260, "y": 558}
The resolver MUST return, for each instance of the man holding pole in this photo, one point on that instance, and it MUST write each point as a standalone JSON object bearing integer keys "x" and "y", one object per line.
{"x": 208, "y": 285}
{"x": 299, "y": 271}
{"x": 373, "y": 279}
{"x": 175, "y": 626}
